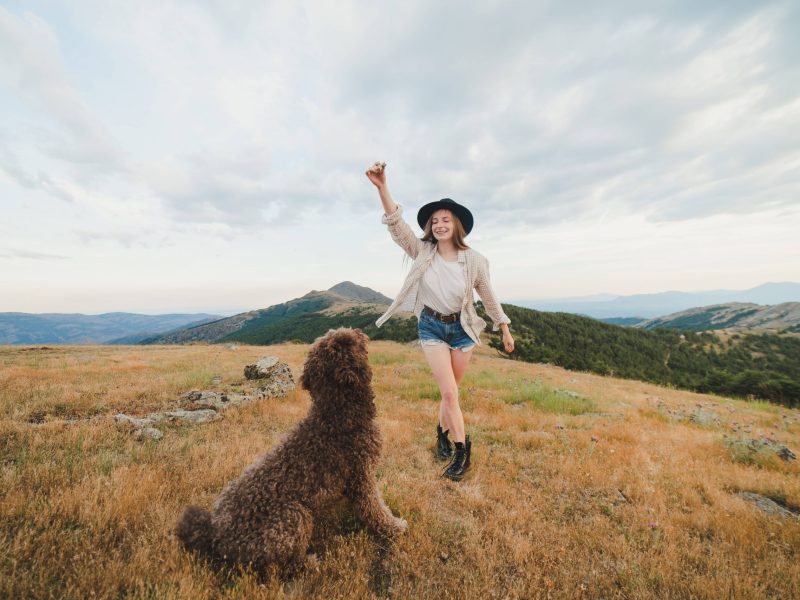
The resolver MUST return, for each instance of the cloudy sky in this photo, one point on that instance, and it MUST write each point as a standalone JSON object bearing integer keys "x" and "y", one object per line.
{"x": 191, "y": 156}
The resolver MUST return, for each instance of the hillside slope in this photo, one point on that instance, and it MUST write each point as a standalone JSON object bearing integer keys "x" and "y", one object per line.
{"x": 733, "y": 315}
{"x": 762, "y": 366}
{"x": 759, "y": 365}
{"x": 301, "y": 319}
{"x": 581, "y": 486}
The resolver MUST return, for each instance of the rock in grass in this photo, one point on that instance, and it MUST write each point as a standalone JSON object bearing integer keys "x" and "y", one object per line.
{"x": 265, "y": 367}
{"x": 705, "y": 418}
{"x": 188, "y": 416}
{"x": 136, "y": 422}
{"x": 277, "y": 375}
{"x": 749, "y": 450}
{"x": 148, "y": 432}
{"x": 139, "y": 424}
{"x": 766, "y": 505}
{"x": 197, "y": 399}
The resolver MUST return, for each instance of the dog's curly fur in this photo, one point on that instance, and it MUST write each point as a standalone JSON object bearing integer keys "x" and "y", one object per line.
{"x": 265, "y": 516}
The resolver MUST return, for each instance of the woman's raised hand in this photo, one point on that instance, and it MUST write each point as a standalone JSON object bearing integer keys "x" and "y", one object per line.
{"x": 377, "y": 174}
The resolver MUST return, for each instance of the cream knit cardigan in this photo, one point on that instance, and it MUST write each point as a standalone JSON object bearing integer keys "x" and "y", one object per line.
{"x": 477, "y": 276}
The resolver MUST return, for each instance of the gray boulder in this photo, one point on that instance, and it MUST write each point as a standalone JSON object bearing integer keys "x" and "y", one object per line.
{"x": 187, "y": 416}
{"x": 766, "y": 505}
{"x": 143, "y": 426}
{"x": 751, "y": 448}
{"x": 263, "y": 368}
{"x": 278, "y": 376}
{"x": 148, "y": 432}
{"x": 199, "y": 399}
{"x": 135, "y": 422}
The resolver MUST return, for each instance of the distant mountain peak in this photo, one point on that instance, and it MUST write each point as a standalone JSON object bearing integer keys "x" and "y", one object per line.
{"x": 352, "y": 291}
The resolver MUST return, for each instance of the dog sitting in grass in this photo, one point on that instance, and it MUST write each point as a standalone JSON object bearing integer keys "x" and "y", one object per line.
{"x": 266, "y": 516}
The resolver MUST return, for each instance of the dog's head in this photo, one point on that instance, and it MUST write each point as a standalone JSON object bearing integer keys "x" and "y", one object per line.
{"x": 337, "y": 359}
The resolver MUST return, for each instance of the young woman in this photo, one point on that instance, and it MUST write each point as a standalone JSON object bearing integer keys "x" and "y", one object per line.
{"x": 438, "y": 289}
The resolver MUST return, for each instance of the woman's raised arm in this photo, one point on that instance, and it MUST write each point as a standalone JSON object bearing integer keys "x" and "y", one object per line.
{"x": 393, "y": 214}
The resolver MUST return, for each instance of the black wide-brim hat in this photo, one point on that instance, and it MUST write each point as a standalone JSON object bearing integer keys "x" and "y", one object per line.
{"x": 462, "y": 212}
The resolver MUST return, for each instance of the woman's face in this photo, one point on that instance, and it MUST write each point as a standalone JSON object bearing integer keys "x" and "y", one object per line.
{"x": 442, "y": 225}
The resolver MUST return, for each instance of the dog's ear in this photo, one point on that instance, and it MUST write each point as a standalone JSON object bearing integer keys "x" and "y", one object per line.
{"x": 312, "y": 369}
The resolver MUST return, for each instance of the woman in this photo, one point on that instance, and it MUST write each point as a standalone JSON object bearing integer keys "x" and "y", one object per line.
{"x": 438, "y": 289}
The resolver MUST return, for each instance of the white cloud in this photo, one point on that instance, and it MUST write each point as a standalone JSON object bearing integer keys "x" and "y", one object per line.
{"x": 174, "y": 126}
{"x": 31, "y": 65}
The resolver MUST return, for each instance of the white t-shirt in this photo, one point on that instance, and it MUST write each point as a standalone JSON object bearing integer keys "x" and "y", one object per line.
{"x": 443, "y": 285}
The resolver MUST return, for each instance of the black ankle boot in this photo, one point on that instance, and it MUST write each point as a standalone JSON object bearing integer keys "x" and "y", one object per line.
{"x": 444, "y": 450}
{"x": 460, "y": 463}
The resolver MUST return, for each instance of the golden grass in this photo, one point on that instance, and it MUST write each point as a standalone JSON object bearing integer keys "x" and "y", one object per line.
{"x": 627, "y": 497}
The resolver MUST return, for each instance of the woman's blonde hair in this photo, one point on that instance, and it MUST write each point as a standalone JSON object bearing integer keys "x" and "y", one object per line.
{"x": 458, "y": 232}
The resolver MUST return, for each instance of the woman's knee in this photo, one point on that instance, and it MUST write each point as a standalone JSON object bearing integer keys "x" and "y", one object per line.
{"x": 450, "y": 397}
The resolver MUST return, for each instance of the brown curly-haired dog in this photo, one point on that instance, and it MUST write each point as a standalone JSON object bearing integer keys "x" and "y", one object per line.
{"x": 265, "y": 517}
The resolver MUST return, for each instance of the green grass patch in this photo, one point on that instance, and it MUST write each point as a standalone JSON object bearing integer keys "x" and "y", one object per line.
{"x": 195, "y": 379}
{"x": 547, "y": 399}
{"x": 484, "y": 379}
{"x": 381, "y": 358}
{"x": 765, "y": 406}
{"x": 419, "y": 388}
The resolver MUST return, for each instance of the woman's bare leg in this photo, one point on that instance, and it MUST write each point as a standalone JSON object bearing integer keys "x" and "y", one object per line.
{"x": 460, "y": 361}
{"x": 448, "y": 368}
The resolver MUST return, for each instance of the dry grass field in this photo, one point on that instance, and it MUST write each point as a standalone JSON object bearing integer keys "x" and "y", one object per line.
{"x": 619, "y": 489}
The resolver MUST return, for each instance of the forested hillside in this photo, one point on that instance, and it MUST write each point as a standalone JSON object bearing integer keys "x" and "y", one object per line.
{"x": 306, "y": 327}
{"x": 733, "y": 315}
{"x": 301, "y": 319}
{"x": 760, "y": 365}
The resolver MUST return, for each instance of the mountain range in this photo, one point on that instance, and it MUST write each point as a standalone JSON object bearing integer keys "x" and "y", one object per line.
{"x": 649, "y": 306}
{"x": 759, "y": 360}
{"x": 301, "y": 319}
{"x": 733, "y": 316}
{"x": 106, "y": 328}
{"x": 348, "y": 304}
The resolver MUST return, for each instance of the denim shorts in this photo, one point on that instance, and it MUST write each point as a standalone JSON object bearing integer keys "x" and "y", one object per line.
{"x": 432, "y": 331}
